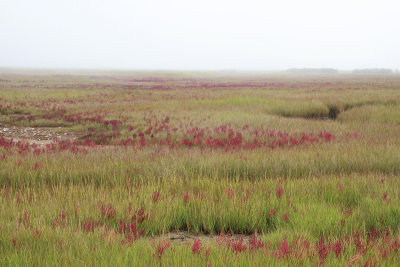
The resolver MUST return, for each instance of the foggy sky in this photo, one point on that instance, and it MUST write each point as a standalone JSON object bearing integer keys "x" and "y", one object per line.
{"x": 198, "y": 35}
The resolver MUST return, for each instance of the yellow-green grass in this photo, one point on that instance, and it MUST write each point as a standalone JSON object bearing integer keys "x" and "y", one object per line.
{"x": 328, "y": 206}
{"x": 332, "y": 190}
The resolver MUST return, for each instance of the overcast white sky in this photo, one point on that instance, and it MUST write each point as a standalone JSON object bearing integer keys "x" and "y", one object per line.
{"x": 199, "y": 34}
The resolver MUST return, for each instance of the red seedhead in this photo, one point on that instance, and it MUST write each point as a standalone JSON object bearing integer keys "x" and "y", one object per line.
{"x": 197, "y": 246}
{"x": 374, "y": 234}
{"x": 338, "y": 246}
{"x": 108, "y": 211}
{"x": 89, "y": 225}
{"x": 238, "y": 246}
{"x": 323, "y": 250}
{"x": 186, "y": 198}
{"x": 38, "y": 234}
{"x": 284, "y": 250}
{"x": 279, "y": 192}
{"x": 60, "y": 221}
{"x": 272, "y": 212}
{"x": 229, "y": 192}
{"x": 341, "y": 187}
{"x": 285, "y": 217}
{"x": 255, "y": 243}
{"x": 161, "y": 248}
{"x": 248, "y": 192}
{"x": 62, "y": 215}
{"x": 140, "y": 216}
{"x": 207, "y": 253}
{"x": 14, "y": 241}
{"x": 385, "y": 197}
{"x": 37, "y": 166}
{"x": 156, "y": 196}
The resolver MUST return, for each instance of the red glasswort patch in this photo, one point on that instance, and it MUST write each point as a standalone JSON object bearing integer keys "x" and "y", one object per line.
{"x": 255, "y": 243}
{"x": 238, "y": 246}
{"x": 207, "y": 253}
{"x": 108, "y": 211}
{"x": 60, "y": 221}
{"x": 89, "y": 225}
{"x": 197, "y": 246}
{"x": 285, "y": 217}
{"x": 14, "y": 241}
{"x": 323, "y": 251}
{"x": 37, "y": 165}
{"x": 156, "y": 196}
{"x": 161, "y": 248}
{"x": 337, "y": 248}
{"x": 272, "y": 212}
{"x": 279, "y": 192}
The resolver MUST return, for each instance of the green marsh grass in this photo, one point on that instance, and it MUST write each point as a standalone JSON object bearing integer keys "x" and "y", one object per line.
{"x": 51, "y": 204}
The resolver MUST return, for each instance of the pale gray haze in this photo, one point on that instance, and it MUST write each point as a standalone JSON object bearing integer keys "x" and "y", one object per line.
{"x": 206, "y": 34}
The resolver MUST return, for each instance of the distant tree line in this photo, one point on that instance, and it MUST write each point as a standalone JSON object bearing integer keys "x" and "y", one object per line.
{"x": 372, "y": 71}
{"x": 312, "y": 70}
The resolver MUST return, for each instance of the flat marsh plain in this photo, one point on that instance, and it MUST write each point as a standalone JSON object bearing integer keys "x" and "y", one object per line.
{"x": 199, "y": 169}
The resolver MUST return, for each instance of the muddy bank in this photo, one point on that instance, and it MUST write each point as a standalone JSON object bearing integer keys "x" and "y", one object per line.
{"x": 38, "y": 136}
{"x": 185, "y": 237}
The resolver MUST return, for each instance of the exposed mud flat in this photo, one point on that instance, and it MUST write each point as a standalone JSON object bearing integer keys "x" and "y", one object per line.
{"x": 38, "y": 136}
{"x": 185, "y": 237}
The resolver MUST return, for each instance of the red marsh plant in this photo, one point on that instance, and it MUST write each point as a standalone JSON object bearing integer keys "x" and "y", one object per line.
{"x": 337, "y": 248}
{"x": 285, "y": 217}
{"x": 131, "y": 229}
{"x": 156, "y": 196}
{"x": 161, "y": 248}
{"x": 89, "y": 225}
{"x": 207, "y": 253}
{"x": 229, "y": 192}
{"x": 238, "y": 246}
{"x": 186, "y": 198}
{"x": 279, "y": 192}
{"x": 272, "y": 212}
{"x": 60, "y": 221}
{"x": 108, "y": 211}
{"x": 37, "y": 166}
{"x": 284, "y": 250}
{"x": 197, "y": 246}
{"x": 14, "y": 242}
{"x": 323, "y": 251}
{"x": 385, "y": 197}
{"x": 255, "y": 243}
